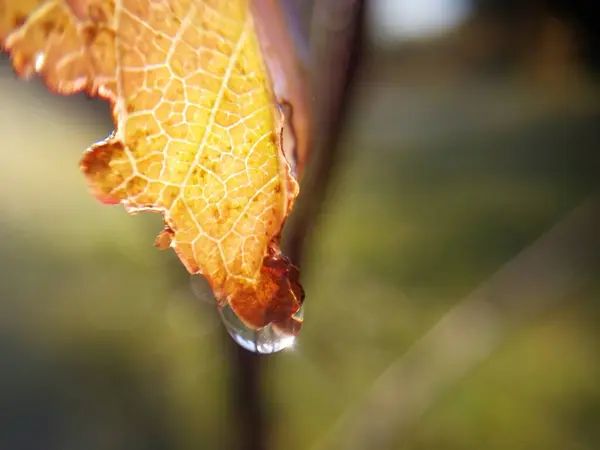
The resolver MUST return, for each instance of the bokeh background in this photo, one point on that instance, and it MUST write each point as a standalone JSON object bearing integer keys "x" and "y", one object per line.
{"x": 452, "y": 278}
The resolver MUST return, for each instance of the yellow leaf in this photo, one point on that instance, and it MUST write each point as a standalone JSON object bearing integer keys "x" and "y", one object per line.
{"x": 197, "y": 131}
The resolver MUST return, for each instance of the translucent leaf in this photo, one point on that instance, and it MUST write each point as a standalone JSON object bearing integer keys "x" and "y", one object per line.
{"x": 198, "y": 131}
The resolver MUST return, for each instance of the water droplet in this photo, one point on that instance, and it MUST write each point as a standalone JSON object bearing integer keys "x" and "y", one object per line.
{"x": 269, "y": 339}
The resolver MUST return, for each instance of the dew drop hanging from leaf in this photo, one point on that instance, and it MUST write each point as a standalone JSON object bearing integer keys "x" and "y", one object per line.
{"x": 198, "y": 136}
{"x": 269, "y": 339}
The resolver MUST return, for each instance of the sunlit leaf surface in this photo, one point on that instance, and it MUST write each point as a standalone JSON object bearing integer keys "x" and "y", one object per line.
{"x": 197, "y": 130}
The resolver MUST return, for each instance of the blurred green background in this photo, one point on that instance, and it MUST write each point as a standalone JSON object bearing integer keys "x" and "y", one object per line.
{"x": 465, "y": 143}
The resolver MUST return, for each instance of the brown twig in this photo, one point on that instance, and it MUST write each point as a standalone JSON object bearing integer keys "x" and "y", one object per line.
{"x": 250, "y": 424}
{"x": 335, "y": 35}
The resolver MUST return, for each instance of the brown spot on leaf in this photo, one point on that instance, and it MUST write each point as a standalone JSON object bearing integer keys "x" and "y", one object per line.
{"x": 20, "y": 19}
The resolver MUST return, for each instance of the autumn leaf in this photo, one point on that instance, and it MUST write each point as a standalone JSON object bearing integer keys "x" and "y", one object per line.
{"x": 198, "y": 131}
